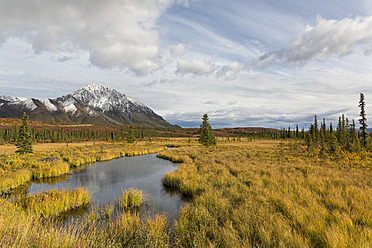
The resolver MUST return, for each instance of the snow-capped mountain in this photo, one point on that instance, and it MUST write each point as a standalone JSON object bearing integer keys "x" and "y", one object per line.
{"x": 91, "y": 104}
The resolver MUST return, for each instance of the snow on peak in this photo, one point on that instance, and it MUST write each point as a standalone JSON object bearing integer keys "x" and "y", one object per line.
{"x": 96, "y": 88}
{"x": 49, "y": 106}
{"x": 68, "y": 105}
{"x": 136, "y": 102}
{"x": 12, "y": 98}
{"x": 15, "y": 100}
{"x": 106, "y": 99}
{"x": 29, "y": 103}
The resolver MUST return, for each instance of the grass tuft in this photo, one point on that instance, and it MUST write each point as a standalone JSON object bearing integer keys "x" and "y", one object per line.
{"x": 131, "y": 198}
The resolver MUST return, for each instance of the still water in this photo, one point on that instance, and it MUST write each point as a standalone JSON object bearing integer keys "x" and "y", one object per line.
{"x": 106, "y": 180}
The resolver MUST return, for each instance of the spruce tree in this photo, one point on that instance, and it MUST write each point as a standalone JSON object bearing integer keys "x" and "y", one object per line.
{"x": 316, "y": 130}
{"x": 24, "y": 140}
{"x": 297, "y": 132}
{"x": 131, "y": 138}
{"x": 354, "y": 139}
{"x": 206, "y": 137}
{"x": 363, "y": 119}
{"x": 333, "y": 144}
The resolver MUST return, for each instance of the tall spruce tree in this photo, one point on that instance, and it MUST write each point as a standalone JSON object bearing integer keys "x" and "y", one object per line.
{"x": 363, "y": 119}
{"x": 24, "y": 140}
{"x": 131, "y": 138}
{"x": 206, "y": 137}
{"x": 316, "y": 130}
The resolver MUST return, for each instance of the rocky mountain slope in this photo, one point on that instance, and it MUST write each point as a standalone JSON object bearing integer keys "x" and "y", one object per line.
{"x": 93, "y": 104}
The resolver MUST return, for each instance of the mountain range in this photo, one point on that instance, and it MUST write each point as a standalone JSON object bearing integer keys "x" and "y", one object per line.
{"x": 92, "y": 104}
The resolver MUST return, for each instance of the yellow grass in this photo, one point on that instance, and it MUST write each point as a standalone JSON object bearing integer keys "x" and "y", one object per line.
{"x": 267, "y": 194}
{"x": 131, "y": 198}
{"x": 54, "y": 202}
{"x": 38, "y": 147}
{"x": 16, "y": 170}
{"x": 243, "y": 194}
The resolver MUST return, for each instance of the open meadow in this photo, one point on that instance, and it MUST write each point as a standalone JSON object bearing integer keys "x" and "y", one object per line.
{"x": 246, "y": 193}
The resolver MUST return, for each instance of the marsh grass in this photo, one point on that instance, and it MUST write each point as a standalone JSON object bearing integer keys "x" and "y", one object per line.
{"x": 17, "y": 170}
{"x": 131, "y": 198}
{"x": 54, "y": 202}
{"x": 244, "y": 194}
{"x": 30, "y": 222}
{"x": 263, "y": 194}
{"x": 21, "y": 225}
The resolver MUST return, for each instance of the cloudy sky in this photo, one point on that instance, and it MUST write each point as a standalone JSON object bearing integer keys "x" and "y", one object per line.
{"x": 263, "y": 63}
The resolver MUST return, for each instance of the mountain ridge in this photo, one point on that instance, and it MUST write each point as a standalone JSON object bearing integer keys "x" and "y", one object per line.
{"x": 91, "y": 104}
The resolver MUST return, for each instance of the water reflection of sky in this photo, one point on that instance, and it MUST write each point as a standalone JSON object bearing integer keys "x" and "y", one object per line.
{"x": 106, "y": 180}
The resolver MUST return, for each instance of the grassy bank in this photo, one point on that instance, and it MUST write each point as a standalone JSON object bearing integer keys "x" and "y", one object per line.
{"x": 243, "y": 194}
{"x": 16, "y": 170}
{"x": 54, "y": 202}
{"x": 28, "y": 223}
{"x": 270, "y": 194}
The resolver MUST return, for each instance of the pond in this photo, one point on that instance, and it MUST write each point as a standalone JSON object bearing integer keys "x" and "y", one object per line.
{"x": 106, "y": 180}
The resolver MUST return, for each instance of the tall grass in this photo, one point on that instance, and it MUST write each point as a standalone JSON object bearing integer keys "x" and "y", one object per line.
{"x": 16, "y": 170}
{"x": 244, "y": 194}
{"x": 26, "y": 222}
{"x": 263, "y": 194}
{"x": 54, "y": 202}
{"x": 23, "y": 226}
{"x": 131, "y": 198}
{"x": 19, "y": 229}
{"x": 10, "y": 179}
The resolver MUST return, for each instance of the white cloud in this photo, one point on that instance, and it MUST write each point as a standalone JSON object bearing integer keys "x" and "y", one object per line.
{"x": 197, "y": 67}
{"x": 180, "y": 49}
{"x": 115, "y": 33}
{"x": 230, "y": 71}
{"x": 328, "y": 38}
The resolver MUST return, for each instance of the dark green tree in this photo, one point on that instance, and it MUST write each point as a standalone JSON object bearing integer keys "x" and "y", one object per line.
{"x": 333, "y": 145}
{"x": 206, "y": 135}
{"x": 297, "y": 132}
{"x": 316, "y": 130}
{"x": 24, "y": 139}
{"x": 363, "y": 119}
{"x": 131, "y": 138}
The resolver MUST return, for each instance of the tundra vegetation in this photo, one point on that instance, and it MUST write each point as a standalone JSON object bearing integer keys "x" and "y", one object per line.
{"x": 243, "y": 193}
{"x": 286, "y": 188}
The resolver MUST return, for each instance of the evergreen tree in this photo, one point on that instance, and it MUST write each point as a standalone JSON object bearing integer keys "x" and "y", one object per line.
{"x": 355, "y": 145}
{"x": 309, "y": 140}
{"x": 206, "y": 135}
{"x": 131, "y": 138}
{"x": 316, "y": 130}
{"x": 324, "y": 133}
{"x": 24, "y": 139}
{"x": 297, "y": 132}
{"x": 333, "y": 145}
{"x": 363, "y": 119}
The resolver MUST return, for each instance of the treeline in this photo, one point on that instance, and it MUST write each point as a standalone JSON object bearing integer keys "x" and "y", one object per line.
{"x": 344, "y": 137}
{"x": 105, "y": 133}
{"x": 273, "y": 134}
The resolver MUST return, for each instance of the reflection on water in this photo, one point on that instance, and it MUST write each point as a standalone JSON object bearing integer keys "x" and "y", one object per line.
{"x": 106, "y": 180}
